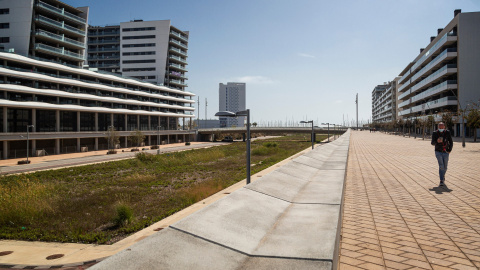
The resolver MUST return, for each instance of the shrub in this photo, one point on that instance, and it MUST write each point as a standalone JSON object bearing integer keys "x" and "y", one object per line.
{"x": 187, "y": 143}
{"x": 154, "y": 147}
{"x": 111, "y": 152}
{"x": 21, "y": 162}
{"x": 134, "y": 150}
{"x": 123, "y": 214}
{"x": 146, "y": 157}
{"x": 270, "y": 144}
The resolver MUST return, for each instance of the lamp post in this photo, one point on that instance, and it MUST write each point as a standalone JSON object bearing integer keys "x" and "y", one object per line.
{"x": 328, "y": 130}
{"x": 110, "y": 130}
{"x": 158, "y": 139}
{"x": 334, "y": 128}
{"x": 28, "y": 139}
{"x": 247, "y": 114}
{"x": 307, "y": 122}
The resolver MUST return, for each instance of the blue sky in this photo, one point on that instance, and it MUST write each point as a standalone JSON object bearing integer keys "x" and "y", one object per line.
{"x": 302, "y": 59}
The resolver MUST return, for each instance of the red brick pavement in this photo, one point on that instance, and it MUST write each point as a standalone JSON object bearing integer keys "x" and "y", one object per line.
{"x": 396, "y": 216}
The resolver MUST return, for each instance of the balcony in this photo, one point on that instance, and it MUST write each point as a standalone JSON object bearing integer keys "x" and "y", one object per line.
{"x": 60, "y": 25}
{"x": 60, "y": 38}
{"x": 103, "y": 49}
{"x": 446, "y": 39}
{"x": 178, "y": 43}
{"x": 178, "y": 51}
{"x": 446, "y": 85}
{"x": 104, "y": 33}
{"x": 60, "y": 11}
{"x": 178, "y": 59}
{"x": 178, "y": 35}
{"x": 177, "y": 82}
{"x": 441, "y": 102}
{"x": 445, "y": 70}
{"x": 177, "y": 66}
{"x": 61, "y": 52}
{"x": 102, "y": 65}
{"x": 447, "y": 54}
{"x": 178, "y": 75}
{"x": 104, "y": 57}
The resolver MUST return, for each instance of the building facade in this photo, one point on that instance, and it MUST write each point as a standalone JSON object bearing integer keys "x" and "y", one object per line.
{"x": 154, "y": 51}
{"x": 48, "y": 93}
{"x": 45, "y": 29}
{"x": 444, "y": 76}
{"x": 232, "y": 97}
{"x": 384, "y": 102}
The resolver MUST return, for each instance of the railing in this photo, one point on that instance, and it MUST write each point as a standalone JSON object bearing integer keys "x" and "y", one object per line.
{"x": 178, "y": 75}
{"x": 60, "y": 11}
{"x": 439, "y": 43}
{"x": 94, "y": 34}
{"x": 57, "y": 50}
{"x": 178, "y": 51}
{"x": 431, "y": 104}
{"x": 179, "y": 35}
{"x": 177, "y": 82}
{"x": 433, "y": 62}
{"x": 61, "y": 25}
{"x": 430, "y": 91}
{"x": 104, "y": 41}
{"x": 177, "y": 66}
{"x": 59, "y": 37}
{"x": 103, "y": 49}
{"x": 432, "y": 77}
{"x": 178, "y": 58}
{"x": 179, "y": 43}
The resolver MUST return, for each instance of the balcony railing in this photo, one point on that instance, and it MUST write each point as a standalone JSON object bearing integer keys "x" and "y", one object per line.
{"x": 179, "y": 43}
{"x": 60, "y": 25}
{"x": 184, "y": 53}
{"x": 177, "y": 66}
{"x": 179, "y": 35}
{"x": 104, "y": 41}
{"x": 177, "y": 82}
{"x": 61, "y": 11}
{"x": 60, "y": 51}
{"x": 103, "y": 33}
{"x": 60, "y": 38}
{"x": 434, "y": 90}
{"x": 434, "y": 62}
{"x": 177, "y": 74}
{"x": 184, "y": 61}
{"x": 103, "y": 57}
{"x": 437, "y": 74}
{"x": 104, "y": 49}
{"x": 432, "y": 50}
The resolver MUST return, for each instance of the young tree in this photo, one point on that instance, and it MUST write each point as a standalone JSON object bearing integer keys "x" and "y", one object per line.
{"x": 400, "y": 123}
{"x": 447, "y": 119}
{"x": 421, "y": 123}
{"x": 430, "y": 122}
{"x": 112, "y": 138}
{"x": 473, "y": 121}
{"x": 136, "y": 137}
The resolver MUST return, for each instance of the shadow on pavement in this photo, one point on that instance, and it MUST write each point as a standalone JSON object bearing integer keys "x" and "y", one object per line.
{"x": 441, "y": 190}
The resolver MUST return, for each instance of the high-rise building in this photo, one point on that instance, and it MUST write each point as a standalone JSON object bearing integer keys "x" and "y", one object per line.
{"x": 384, "y": 102}
{"x": 45, "y": 29}
{"x": 444, "y": 76}
{"x": 232, "y": 97}
{"x": 153, "y": 51}
{"x": 66, "y": 108}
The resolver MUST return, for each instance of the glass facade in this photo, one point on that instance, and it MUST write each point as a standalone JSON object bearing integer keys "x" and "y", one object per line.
{"x": 143, "y": 122}
{"x": 172, "y": 123}
{"x": 45, "y": 121}
{"x": 119, "y": 122}
{"x": 87, "y": 121}
{"x": 132, "y": 122}
{"x": 68, "y": 121}
{"x": 19, "y": 119}
{"x": 104, "y": 120}
{"x": 153, "y": 122}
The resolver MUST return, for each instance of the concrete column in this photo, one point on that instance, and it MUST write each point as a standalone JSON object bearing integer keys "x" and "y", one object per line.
{"x": 5, "y": 150}
{"x": 149, "y": 123}
{"x": 5, "y": 120}
{"x": 183, "y": 123}
{"x": 168, "y": 123}
{"x": 96, "y": 126}
{"x": 34, "y": 147}
{"x": 111, "y": 121}
{"x": 168, "y": 139}
{"x": 57, "y": 120}
{"x": 126, "y": 141}
{"x": 57, "y": 146}
{"x": 126, "y": 121}
{"x": 159, "y": 121}
{"x": 78, "y": 121}
{"x": 184, "y": 138}
{"x": 149, "y": 139}
{"x": 138, "y": 121}
{"x": 78, "y": 145}
{"x": 34, "y": 120}
{"x": 96, "y": 144}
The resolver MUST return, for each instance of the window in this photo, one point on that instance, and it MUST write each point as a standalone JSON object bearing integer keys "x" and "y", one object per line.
{"x": 132, "y": 122}
{"x": 153, "y": 77}
{"x": 18, "y": 119}
{"x": 4, "y": 11}
{"x": 138, "y": 45}
{"x": 138, "y": 29}
{"x": 138, "y": 37}
{"x": 138, "y": 53}
{"x": 68, "y": 121}
{"x": 45, "y": 121}
{"x": 138, "y": 69}
{"x": 138, "y": 61}
{"x": 4, "y": 39}
{"x": 87, "y": 121}
{"x": 4, "y": 25}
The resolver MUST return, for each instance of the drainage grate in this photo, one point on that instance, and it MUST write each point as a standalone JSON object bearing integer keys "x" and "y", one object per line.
{"x": 5, "y": 253}
{"x": 55, "y": 256}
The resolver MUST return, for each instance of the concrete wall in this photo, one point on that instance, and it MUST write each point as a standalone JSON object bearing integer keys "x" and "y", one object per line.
{"x": 161, "y": 32}
{"x": 469, "y": 57}
{"x": 20, "y": 19}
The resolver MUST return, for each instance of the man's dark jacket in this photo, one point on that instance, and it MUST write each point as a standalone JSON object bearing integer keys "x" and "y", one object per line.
{"x": 447, "y": 144}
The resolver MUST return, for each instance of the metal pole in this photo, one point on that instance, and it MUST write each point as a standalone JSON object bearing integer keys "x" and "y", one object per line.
{"x": 356, "y": 102}
{"x": 27, "y": 141}
{"x": 328, "y": 132}
{"x": 463, "y": 129}
{"x": 158, "y": 139}
{"x": 248, "y": 146}
{"x": 312, "y": 135}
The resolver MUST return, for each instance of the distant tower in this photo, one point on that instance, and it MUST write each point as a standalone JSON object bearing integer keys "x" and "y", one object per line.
{"x": 232, "y": 97}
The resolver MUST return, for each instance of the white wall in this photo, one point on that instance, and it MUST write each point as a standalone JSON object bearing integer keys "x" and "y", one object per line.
{"x": 20, "y": 19}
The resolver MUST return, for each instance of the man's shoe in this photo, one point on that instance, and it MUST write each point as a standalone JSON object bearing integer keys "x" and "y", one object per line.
{"x": 442, "y": 184}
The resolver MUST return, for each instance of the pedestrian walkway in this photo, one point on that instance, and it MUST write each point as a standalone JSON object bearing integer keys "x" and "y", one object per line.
{"x": 396, "y": 216}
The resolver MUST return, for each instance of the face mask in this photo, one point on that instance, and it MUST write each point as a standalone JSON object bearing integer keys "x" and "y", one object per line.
{"x": 441, "y": 129}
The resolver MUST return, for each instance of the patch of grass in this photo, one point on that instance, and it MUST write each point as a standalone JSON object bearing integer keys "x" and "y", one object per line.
{"x": 77, "y": 204}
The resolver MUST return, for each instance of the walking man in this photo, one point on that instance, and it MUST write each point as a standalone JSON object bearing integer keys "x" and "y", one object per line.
{"x": 442, "y": 140}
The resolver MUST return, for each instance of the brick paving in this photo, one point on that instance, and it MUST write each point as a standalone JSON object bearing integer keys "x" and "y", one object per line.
{"x": 396, "y": 216}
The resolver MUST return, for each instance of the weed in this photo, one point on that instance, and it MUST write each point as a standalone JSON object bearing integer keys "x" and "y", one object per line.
{"x": 123, "y": 214}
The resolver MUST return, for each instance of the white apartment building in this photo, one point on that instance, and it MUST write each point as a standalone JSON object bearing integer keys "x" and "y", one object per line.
{"x": 65, "y": 108}
{"x": 232, "y": 97}
{"x": 384, "y": 102}
{"x": 445, "y": 75}
{"x": 154, "y": 51}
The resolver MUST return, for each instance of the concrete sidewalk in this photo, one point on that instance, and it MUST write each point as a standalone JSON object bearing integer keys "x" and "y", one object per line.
{"x": 396, "y": 216}
{"x": 289, "y": 219}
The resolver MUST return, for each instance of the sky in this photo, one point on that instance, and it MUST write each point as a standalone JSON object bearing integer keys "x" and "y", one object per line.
{"x": 300, "y": 59}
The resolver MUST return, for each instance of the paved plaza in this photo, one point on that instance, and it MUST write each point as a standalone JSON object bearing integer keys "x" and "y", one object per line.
{"x": 396, "y": 216}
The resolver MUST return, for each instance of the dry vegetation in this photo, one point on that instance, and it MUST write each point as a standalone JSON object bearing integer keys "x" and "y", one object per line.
{"x": 103, "y": 203}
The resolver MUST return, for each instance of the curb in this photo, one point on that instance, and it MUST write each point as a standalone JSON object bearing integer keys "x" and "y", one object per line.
{"x": 55, "y": 266}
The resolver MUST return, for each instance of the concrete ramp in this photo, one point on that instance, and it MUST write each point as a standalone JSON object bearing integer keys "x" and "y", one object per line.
{"x": 288, "y": 219}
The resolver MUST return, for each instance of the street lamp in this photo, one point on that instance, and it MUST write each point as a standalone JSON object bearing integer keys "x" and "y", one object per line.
{"x": 28, "y": 138}
{"x": 247, "y": 114}
{"x": 334, "y": 128}
{"x": 158, "y": 139}
{"x": 306, "y": 122}
{"x": 328, "y": 130}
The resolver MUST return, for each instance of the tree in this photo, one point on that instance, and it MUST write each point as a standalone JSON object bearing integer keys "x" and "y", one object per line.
{"x": 408, "y": 125}
{"x": 136, "y": 137}
{"x": 254, "y": 124}
{"x": 421, "y": 123}
{"x": 112, "y": 138}
{"x": 400, "y": 123}
{"x": 430, "y": 121}
{"x": 473, "y": 121}
{"x": 447, "y": 119}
